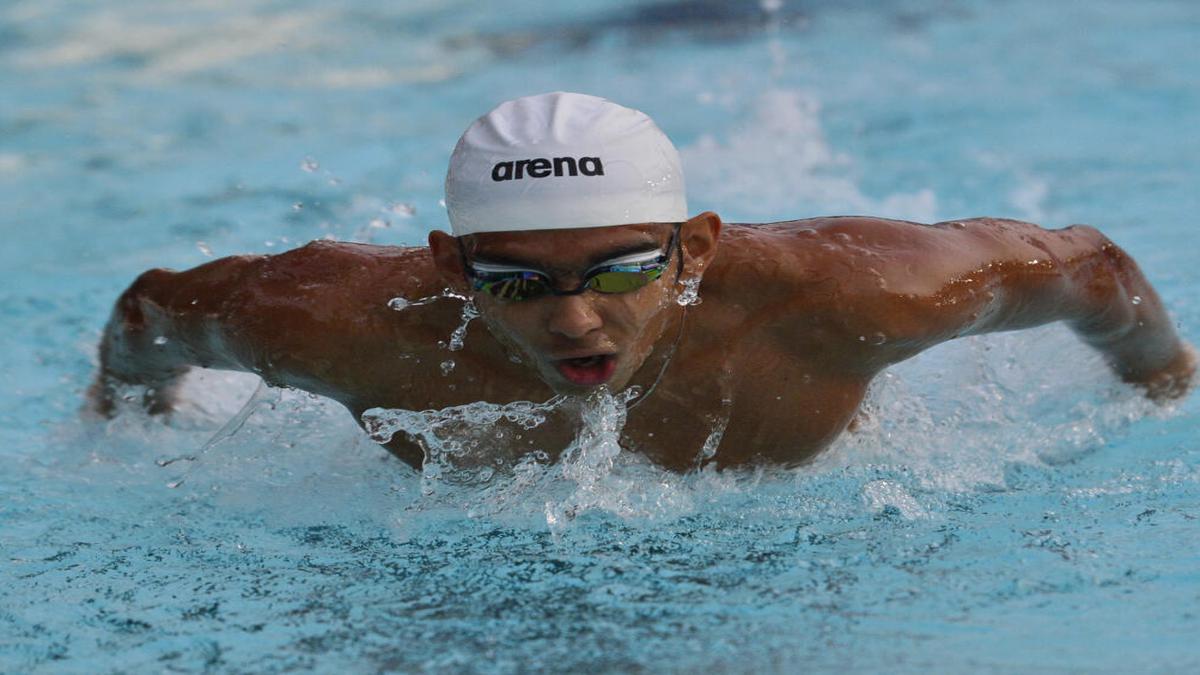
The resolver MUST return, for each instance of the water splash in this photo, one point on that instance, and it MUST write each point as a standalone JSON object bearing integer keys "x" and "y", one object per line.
{"x": 690, "y": 295}
{"x": 261, "y": 397}
{"x": 469, "y": 313}
{"x": 464, "y": 445}
{"x": 709, "y": 449}
{"x": 401, "y": 303}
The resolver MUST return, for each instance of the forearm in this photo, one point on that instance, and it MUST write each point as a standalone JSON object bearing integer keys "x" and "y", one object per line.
{"x": 1127, "y": 322}
{"x": 157, "y": 330}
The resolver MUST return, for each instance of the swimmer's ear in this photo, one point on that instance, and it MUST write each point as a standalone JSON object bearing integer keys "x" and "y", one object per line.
{"x": 448, "y": 259}
{"x": 699, "y": 237}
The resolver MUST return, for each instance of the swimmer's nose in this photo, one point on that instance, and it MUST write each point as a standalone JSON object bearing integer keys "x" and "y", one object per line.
{"x": 573, "y": 316}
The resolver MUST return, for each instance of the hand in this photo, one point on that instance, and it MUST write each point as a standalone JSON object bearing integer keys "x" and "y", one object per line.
{"x": 106, "y": 392}
{"x": 1172, "y": 382}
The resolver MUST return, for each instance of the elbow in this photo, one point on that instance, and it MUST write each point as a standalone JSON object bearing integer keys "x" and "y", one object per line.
{"x": 139, "y": 298}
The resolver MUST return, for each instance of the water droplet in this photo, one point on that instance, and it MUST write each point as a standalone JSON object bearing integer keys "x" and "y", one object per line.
{"x": 447, "y": 366}
{"x": 1137, "y": 300}
{"x": 309, "y": 164}
{"x": 398, "y": 304}
{"x": 204, "y": 248}
{"x": 160, "y": 340}
{"x": 691, "y": 292}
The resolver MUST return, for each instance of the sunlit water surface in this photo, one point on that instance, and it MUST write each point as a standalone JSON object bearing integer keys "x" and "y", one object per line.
{"x": 1008, "y": 506}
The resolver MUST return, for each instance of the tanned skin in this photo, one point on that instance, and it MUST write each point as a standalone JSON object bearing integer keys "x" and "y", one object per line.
{"x": 796, "y": 319}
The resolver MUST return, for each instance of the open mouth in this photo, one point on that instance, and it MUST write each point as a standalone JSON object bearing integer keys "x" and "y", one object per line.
{"x": 588, "y": 371}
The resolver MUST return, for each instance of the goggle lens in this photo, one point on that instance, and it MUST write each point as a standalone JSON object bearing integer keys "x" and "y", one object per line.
{"x": 519, "y": 286}
{"x": 530, "y": 285}
{"x": 622, "y": 275}
{"x": 622, "y": 282}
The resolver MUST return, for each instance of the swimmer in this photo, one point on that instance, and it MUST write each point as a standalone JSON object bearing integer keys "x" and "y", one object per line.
{"x": 570, "y": 236}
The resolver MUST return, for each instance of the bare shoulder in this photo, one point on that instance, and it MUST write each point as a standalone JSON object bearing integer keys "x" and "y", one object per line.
{"x": 862, "y": 253}
{"x": 356, "y": 276}
{"x": 322, "y": 262}
{"x": 846, "y": 286}
{"x": 328, "y": 302}
{"x": 798, "y": 255}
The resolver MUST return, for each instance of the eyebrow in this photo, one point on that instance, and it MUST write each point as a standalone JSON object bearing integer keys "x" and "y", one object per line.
{"x": 620, "y": 251}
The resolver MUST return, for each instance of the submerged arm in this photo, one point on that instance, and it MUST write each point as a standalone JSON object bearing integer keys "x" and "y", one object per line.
{"x": 987, "y": 275}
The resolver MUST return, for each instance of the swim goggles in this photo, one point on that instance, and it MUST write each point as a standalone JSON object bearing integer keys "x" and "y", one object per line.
{"x": 620, "y": 275}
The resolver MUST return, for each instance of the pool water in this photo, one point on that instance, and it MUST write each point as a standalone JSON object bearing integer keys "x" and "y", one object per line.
{"x": 1009, "y": 506}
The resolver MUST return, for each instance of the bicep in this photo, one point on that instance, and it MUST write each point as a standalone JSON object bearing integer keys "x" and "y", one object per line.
{"x": 260, "y": 314}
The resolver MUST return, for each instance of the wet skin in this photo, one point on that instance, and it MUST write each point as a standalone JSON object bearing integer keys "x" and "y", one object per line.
{"x": 796, "y": 319}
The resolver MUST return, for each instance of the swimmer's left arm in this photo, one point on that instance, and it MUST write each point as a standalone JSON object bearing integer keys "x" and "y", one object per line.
{"x": 988, "y": 275}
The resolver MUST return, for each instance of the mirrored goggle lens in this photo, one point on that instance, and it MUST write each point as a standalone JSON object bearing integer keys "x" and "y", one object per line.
{"x": 514, "y": 287}
{"x": 622, "y": 281}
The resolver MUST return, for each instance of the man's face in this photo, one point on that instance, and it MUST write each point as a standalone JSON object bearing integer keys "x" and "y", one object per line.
{"x": 578, "y": 342}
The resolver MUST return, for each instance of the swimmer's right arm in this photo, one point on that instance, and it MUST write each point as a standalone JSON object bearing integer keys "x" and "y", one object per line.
{"x": 315, "y": 318}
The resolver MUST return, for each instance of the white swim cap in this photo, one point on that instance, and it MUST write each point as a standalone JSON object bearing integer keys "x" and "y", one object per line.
{"x": 562, "y": 160}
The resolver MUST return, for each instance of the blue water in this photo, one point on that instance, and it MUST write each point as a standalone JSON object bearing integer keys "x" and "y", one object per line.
{"x": 1010, "y": 506}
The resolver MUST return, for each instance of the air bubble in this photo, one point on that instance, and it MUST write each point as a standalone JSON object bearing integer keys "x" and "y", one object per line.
{"x": 160, "y": 340}
{"x": 204, "y": 249}
{"x": 309, "y": 165}
{"x": 447, "y": 366}
{"x": 399, "y": 304}
{"x": 1137, "y": 300}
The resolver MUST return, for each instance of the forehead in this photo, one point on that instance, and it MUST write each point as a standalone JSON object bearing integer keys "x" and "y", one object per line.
{"x": 565, "y": 248}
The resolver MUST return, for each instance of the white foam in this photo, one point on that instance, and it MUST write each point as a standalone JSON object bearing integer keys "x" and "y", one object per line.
{"x": 778, "y": 164}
